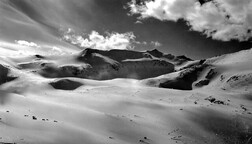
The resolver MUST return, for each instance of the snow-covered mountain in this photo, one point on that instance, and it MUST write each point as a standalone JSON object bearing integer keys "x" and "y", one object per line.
{"x": 152, "y": 68}
{"x": 101, "y": 65}
{"x": 86, "y": 97}
{"x": 228, "y": 72}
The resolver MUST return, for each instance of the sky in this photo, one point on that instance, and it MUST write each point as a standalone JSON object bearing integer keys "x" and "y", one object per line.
{"x": 197, "y": 29}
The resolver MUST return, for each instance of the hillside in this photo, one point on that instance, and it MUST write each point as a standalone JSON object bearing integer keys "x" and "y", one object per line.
{"x": 100, "y": 65}
{"x": 86, "y": 97}
{"x": 228, "y": 72}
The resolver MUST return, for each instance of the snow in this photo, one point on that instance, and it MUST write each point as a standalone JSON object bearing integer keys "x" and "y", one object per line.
{"x": 122, "y": 110}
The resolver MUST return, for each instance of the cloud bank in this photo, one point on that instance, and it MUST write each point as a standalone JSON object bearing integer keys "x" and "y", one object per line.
{"x": 97, "y": 41}
{"x": 31, "y": 48}
{"x": 26, "y": 43}
{"x": 220, "y": 19}
{"x": 156, "y": 43}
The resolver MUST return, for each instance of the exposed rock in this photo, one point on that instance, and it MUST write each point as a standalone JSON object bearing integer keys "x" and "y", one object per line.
{"x": 202, "y": 83}
{"x": 211, "y": 74}
{"x": 34, "y": 118}
{"x": 183, "y": 57}
{"x": 4, "y": 75}
{"x": 156, "y": 53}
{"x": 214, "y": 100}
{"x": 185, "y": 79}
{"x": 39, "y": 56}
{"x": 66, "y": 84}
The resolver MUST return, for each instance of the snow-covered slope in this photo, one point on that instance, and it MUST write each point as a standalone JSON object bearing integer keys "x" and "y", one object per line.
{"x": 228, "y": 72}
{"x": 99, "y": 65}
{"x": 42, "y": 101}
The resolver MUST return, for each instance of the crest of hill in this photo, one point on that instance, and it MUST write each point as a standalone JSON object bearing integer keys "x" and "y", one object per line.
{"x": 120, "y": 55}
{"x": 111, "y": 64}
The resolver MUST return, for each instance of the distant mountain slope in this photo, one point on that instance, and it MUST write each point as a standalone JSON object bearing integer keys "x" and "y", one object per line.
{"x": 227, "y": 72}
{"x": 104, "y": 65}
{"x": 98, "y": 64}
{"x": 230, "y": 72}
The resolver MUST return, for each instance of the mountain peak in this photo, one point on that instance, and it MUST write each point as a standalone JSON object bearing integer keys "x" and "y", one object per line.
{"x": 155, "y": 53}
{"x": 184, "y": 58}
{"x": 87, "y": 52}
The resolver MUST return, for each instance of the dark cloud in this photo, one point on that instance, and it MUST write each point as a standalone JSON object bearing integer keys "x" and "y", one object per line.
{"x": 220, "y": 19}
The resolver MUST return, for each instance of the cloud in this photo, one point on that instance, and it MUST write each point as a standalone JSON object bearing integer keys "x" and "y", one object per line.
{"x": 25, "y": 43}
{"x": 156, "y": 43}
{"x": 97, "y": 41}
{"x": 220, "y": 19}
{"x": 31, "y": 48}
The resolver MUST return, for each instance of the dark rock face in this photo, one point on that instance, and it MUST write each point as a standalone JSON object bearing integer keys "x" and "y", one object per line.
{"x": 184, "y": 58}
{"x": 214, "y": 100}
{"x": 39, "y": 56}
{"x": 4, "y": 75}
{"x": 185, "y": 80}
{"x": 181, "y": 59}
{"x": 156, "y": 53}
{"x": 202, "y": 83}
{"x": 169, "y": 56}
{"x": 211, "y": 74}
{"x": 34, "y": 118}
{"x": 202, "y": 2}
{"x": 66, "y": 84}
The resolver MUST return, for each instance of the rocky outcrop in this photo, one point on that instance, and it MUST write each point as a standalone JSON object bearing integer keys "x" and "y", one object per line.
{"x": 4, "y": 75}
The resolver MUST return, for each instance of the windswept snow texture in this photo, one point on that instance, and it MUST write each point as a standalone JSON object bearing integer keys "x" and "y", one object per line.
{"x": 87, "y": 97}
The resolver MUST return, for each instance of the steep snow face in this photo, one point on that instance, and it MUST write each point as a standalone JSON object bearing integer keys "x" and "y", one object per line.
{"x": 232, "y": 59}
{"x": 240, "y": 81}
